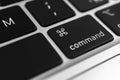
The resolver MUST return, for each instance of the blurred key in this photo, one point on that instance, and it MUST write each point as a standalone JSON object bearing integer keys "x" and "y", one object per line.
{"x": 85, "y": 5}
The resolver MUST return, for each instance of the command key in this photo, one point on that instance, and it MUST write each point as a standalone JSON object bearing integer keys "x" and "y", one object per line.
{"x": 79, "y": 36}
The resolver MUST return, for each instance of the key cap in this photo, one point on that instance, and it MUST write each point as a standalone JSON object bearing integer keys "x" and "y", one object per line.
{"x": 85, "y": 5}
{"x": 27, "y": 58}
{"x": 111, "y": 17}
{"x": 14, "y": 23}
{"x": 79, "y": 36}
{"x": 7, "y": 2}
{"x": 48, "y": 12}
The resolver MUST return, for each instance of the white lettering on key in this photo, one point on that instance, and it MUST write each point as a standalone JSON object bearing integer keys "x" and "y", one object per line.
{"x": 50, "y": 8}
{"x": 118, "y": 25}
{"x": 9, "y": 22}
{"x": 108, "y": 12}
{"x": 62, "y": 32}
{"x": 86, "y": 41}
{"x": 55, "y": 13}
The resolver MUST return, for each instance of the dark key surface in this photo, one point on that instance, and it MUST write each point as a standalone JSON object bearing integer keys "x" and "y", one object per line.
{"x": 79, "y": 36}
{"x": 111, "y": 17}
{"x": 49, "y": 12}
{"x": 7, "y": 2}
{"x": 27, "y": 58}
{"x": 14, "y": 23}
{"x": 85, "y": 5}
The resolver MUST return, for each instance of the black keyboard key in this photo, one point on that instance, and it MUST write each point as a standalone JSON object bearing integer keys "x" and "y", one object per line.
{"x": 111, "y": 17}
{"x": 14, "y": 23}
{"x": 7, "y": 2}
{"x": 27, "y": 58}
{"x": 49, "y": 12}
{"x": 79, "y": 36}
{"x": 85, "y": 5}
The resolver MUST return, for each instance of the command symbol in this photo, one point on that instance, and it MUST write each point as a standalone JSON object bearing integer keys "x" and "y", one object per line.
{"x": 62, "y": 32}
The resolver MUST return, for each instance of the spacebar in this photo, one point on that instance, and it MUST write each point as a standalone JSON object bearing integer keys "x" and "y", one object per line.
{"x": 86, "y": 64}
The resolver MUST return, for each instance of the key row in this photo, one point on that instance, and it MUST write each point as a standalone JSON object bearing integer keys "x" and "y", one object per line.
{"x": 73, "y": 35}
{"x": 48, "y": 12}
{"x": 74, "y": 38}
{"x": 15, "y": 25}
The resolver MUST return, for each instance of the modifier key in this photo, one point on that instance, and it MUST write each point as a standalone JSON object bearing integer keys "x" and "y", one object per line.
{"x": 79, "y": 36}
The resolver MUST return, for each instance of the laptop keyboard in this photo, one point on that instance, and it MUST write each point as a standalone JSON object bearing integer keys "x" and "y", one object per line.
{"x": 35, "y": 53}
